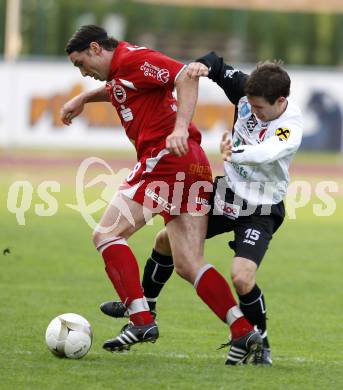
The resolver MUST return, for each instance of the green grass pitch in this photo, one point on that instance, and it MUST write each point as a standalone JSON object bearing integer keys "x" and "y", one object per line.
{"x": 52, "y": 268}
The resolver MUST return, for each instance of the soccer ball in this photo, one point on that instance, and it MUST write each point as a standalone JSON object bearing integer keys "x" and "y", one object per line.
{"x": 69, "y": 335}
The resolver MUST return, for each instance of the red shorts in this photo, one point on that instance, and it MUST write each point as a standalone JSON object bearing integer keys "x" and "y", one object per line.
{"x": 170, "y": 185}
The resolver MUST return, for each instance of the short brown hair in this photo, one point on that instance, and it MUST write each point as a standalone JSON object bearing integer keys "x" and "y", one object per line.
{"x": 82, "y": 38}
{"x": 269, "y": 80}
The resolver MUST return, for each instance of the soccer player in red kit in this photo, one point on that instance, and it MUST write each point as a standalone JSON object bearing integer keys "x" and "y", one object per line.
{"x": 139, "y": 84}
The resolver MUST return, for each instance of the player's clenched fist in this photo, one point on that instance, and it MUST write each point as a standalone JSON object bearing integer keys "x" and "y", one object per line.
{"x": 226, "y": 146}
{"x": 71, "y": 109}
{"x": 196, "y": 70}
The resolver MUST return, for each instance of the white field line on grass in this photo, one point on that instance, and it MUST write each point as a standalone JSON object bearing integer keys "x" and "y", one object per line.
{"x": 185, "y": 356}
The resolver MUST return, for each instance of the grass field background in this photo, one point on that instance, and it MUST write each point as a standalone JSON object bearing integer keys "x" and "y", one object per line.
{"x": 53, "y": 268}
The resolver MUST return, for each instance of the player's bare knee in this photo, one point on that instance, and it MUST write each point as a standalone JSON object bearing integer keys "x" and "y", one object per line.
{"x": 243, "y": 282}
{"x": 162, "y": 245}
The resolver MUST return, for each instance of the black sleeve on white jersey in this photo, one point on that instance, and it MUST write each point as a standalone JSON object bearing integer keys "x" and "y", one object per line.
{"x": 231, "y": 80}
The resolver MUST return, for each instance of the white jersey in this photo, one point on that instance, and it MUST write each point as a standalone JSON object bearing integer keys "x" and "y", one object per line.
{"x": 262, "y": 152}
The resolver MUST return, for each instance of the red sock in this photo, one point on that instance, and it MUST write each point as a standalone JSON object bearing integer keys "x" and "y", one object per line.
{"x": 142, "y": 318}
{"x": 214, "y": 290}
{"x": 240, "y": 328}
{"x": 123, "y": 271}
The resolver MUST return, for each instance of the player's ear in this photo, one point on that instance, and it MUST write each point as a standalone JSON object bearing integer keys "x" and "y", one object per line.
{"x": 95, "y": 47}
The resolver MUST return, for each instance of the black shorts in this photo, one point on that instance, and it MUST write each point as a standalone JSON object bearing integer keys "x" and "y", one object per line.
{"x": 253, "y": 227}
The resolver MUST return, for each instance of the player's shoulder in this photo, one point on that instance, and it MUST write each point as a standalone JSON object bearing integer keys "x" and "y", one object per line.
{"x": 128, "y": 50}
{"x": 243, "y": 106}
{"x": 289, "y": 125}
{"x": 293, "y": 110}
{"x": 292, "y": 117}
{"x": 144, "y": 57}
{"x": 132, "y": 58}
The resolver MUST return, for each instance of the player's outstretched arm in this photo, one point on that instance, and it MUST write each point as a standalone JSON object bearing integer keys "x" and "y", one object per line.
{"x": 187, "y": 94}
{"x": 231, "y": 80}
{"x": 75, "y": 106}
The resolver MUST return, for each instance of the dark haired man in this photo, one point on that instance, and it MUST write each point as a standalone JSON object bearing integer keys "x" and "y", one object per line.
{"x": 139, "y": 84}
{"x": 249, "y": 199}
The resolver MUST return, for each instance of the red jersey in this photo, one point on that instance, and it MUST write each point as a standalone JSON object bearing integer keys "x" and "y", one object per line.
{"x": 140, "y": 88}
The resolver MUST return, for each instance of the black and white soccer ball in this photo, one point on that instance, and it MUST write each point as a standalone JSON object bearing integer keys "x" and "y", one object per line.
{"x": 69, "y": 335}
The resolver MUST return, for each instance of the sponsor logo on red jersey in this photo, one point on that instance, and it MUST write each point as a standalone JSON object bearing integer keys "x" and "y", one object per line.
{"x": 155, "y": 72}
{"x": 163, "y": 75}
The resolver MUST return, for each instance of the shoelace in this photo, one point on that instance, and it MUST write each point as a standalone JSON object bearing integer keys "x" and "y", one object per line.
{"x": 221, "y": 346}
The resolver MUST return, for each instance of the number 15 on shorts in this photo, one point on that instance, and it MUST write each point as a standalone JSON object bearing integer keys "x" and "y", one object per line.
{"x": 251, "y": 235}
